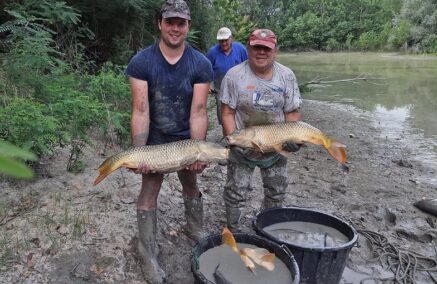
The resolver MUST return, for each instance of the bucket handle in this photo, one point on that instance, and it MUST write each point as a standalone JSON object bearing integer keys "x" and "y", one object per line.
{"x": 195, "y": 259}
{"x": 287, "y": 251}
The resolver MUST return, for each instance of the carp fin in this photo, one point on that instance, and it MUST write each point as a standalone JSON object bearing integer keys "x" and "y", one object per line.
{"x": 104, "y": 170}
{"x": 247, "y": 261}
{"x": 262, "y": 257}
{"x": 337, "y": 151}
{"x": 257, "y": 147}
{"x": 228, "y": 238}
{"x": 130, "y": 166}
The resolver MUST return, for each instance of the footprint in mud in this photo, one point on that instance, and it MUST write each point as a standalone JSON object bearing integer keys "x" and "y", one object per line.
{"x": 417, "y": 237}
{"x": 390, "y": 217}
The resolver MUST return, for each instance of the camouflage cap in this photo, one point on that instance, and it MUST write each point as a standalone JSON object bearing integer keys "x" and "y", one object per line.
{"x": 175, "y": 9}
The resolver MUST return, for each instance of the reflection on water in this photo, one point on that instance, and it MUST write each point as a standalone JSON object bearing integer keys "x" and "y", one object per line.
{"x": 403, "y": 100}
{"x": 394, "y": 119}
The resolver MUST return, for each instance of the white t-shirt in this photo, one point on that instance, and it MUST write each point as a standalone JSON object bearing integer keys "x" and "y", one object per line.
{"x": 258, "y": 101}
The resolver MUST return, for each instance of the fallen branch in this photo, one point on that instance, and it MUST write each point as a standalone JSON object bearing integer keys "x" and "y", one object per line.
{"x": 361, "y": 77}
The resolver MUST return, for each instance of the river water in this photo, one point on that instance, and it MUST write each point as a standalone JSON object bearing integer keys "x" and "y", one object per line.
{"x": 401, "y": 93}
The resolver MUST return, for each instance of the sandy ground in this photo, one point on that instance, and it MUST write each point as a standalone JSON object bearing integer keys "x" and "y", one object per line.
{"x": 61, "y": 229}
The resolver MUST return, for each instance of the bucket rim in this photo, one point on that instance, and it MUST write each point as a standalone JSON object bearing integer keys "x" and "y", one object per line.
{"x": 238, "y": 236}
{"x": 344, "y": 246}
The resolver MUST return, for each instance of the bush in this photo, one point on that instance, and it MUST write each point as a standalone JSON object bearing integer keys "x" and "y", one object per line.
{"x": 27, "y": 124}
{"x": 110, "y": 87}
{"x": 400, "y": 34}
{"x": 368, "y": 41}
{"x": 332, "y": 44}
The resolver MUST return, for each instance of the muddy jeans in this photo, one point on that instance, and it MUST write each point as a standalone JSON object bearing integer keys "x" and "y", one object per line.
{"x": 237, "y": 185}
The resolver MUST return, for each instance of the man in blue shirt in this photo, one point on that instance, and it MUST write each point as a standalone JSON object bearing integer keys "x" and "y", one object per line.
{"x": 223, "y": 56}
{"x": 169, "y": 82}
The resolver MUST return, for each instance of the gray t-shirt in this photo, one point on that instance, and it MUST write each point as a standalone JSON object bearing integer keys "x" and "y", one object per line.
{"x": 259, "y": 101}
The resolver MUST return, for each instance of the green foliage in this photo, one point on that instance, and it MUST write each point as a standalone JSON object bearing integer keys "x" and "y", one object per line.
{"x": 419, "y": 17}
{"x": 118, "y": 26}
{"x": 368, "y": 41}
{"x": 11, "y": 161}
{"x": 429, "y": 44}
{"x": 110, "y": 87}
{"x": 332, "y": 44}
{"x": 30, "y": 45}
{"x": 400, "y": 34}
{"x": 229, "y": 13}
{"x": 303, "y": 32}
{"x": 349, "y": 39}
{"x": 333, "y": 24}
{"x": 27, "y": 124}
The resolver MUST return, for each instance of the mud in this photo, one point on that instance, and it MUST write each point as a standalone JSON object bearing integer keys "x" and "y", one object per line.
{"x": 61, "y": 229}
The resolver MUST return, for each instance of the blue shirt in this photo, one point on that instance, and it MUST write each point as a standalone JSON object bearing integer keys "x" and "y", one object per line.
{"x": 221, "y": 62}
{"x": 170, "y": 87}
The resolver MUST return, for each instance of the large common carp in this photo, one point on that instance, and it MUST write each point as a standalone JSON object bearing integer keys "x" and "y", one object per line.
{"x": 270, "y": 138}
{"x": 164, "y": 158}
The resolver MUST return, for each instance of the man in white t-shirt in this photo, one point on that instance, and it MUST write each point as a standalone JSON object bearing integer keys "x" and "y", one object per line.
{"x": 255, "y": 92}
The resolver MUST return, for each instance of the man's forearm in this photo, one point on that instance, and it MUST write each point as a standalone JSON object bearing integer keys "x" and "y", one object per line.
{"x": 199, "y": 126}
{"x": 293, "y": 116}
{"x": 228, "y": 119}
{"x": 139, "y": 131}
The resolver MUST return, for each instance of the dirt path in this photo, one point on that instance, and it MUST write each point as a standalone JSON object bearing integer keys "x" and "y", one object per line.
{"x": 60, "y": 229}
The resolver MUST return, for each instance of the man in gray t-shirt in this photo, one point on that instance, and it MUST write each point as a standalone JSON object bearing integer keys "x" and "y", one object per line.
{"x": 255, "y": 92}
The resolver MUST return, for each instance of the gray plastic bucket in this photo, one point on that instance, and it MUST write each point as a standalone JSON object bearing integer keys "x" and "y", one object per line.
{"x": 316, "y": 265}
{"x": 212, "y": 241}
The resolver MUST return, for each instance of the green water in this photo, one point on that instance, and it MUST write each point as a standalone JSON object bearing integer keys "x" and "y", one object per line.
{"x": 402, "y": 97}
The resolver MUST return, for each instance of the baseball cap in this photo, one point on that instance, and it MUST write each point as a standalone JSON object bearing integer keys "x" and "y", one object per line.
{"x": 263, "y": 37}
{"x": 224, "y": 33}
{"x": 175, "y": 9}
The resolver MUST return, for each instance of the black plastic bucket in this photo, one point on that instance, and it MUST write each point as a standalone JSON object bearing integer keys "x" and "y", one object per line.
{"x": 212, "y": 241}
{"x": 316, "y": 265}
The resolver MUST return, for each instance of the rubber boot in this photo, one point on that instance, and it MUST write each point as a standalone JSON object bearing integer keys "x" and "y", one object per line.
{"x": 233, "y": 216}
{"x": 194, "y": 217}
{"x": 147, "y": 248}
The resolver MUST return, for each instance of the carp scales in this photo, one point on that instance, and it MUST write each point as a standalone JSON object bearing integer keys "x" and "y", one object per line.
{"x": 270, "y": 138}
{"x": 164, "y": 158}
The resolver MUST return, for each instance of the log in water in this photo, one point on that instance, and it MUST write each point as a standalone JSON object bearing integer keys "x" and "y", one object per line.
{"x": 307, "y": 234}
{"x": 233, "y": 269}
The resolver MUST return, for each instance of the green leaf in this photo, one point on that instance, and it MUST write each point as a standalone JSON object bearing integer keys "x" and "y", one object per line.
{"x": 14, "y": 168}
{"x": 9, "y": 150}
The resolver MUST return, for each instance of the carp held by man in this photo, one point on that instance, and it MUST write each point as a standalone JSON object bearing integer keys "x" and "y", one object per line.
{"x": 164, "y": 158}
{"x": 271, "y": 137}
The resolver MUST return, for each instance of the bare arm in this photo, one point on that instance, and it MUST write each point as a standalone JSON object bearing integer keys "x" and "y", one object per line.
{"x": 228, "y": 119}
{"x": 140, "y": 119}
{"x": 293, "y": 116}
{"x": 199, "y": 115}
{"x": 199, "y": 119}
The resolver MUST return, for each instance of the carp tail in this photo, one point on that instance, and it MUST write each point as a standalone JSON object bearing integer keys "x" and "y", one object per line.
{"x": 105, "y": 169}
{"x": 334, "y": 148}
{"x": 337, "y": 151}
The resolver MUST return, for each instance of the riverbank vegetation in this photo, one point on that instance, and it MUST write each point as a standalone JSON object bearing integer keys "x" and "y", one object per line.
{"x": 61, "y": 63}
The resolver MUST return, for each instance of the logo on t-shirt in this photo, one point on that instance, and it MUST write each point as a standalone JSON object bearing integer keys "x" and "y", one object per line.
{"x": 259, "y": 99}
